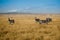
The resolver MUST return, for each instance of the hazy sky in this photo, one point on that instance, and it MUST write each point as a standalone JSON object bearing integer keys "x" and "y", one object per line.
{"x": 33, "y": 6}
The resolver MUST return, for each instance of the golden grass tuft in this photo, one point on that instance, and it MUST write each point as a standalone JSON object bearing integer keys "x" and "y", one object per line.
{"x": 25, "y": 27}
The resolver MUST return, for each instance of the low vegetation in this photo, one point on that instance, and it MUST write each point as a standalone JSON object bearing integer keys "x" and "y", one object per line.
{"x": 25, "y": 27}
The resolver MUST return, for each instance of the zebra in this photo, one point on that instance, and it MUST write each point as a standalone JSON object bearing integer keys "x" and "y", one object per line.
{"x": 43, "y": 21}
{"x": 11, "y": 21}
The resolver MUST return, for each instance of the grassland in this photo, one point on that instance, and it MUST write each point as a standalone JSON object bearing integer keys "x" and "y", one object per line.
{"x": 25, "y": 27}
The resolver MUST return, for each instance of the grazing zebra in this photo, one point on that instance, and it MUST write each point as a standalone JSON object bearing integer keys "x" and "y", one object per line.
{"x": 43, "y": 21}
{"x": 11, "y": 21}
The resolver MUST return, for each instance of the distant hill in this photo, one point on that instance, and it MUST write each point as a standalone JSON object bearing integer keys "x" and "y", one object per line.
{"x": 27, "y": 13}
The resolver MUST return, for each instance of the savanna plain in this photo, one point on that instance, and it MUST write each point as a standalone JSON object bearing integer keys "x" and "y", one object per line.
{"x": 26, "y": 28}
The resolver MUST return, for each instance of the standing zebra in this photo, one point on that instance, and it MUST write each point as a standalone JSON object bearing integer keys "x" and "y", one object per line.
{"x": 11, "y": 21}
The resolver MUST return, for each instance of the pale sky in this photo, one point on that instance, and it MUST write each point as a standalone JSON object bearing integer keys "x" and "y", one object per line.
{"x": 31, "y": 6}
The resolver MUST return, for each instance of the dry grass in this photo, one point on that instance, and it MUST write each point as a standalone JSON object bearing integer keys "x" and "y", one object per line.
{"x": 25, "y": 28}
